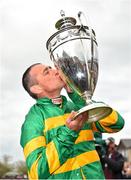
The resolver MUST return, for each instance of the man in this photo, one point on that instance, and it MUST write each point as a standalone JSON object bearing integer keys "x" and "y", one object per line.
{"x": 127, "y": 170}
{"x": 56, "y": 146}
{"x": 112, "y": 161}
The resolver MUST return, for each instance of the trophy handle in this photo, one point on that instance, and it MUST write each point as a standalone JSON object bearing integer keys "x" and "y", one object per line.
{"x": 80, "y": 13}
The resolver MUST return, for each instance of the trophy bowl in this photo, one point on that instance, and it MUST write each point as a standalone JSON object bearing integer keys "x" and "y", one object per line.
{"x": 73, "y": 49}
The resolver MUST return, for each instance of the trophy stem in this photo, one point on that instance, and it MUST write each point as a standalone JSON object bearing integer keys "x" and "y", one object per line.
{"x": 87, "y": 95}
{"x": 95, "y": 110}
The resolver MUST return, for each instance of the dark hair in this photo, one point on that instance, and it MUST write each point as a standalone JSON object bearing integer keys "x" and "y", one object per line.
{"x": 27, "y": 81}
{"x": 111, "y": 139}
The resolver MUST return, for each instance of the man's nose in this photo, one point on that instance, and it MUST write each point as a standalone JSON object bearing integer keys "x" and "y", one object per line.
{"x": 56, "y": 71}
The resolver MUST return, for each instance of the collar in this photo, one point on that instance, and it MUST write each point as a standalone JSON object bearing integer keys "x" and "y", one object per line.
{"x": 47, "y": 101}
{"x": 57, "y": 100}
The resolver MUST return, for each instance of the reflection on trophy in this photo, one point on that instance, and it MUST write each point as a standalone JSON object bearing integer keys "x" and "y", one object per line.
{"x": 73, "y": 49}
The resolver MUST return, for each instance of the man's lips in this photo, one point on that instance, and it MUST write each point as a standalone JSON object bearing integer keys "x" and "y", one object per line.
{"x": 62, "y": 79}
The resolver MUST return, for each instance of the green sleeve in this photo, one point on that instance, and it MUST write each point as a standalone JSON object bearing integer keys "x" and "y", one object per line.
{"x": 64, "y": 142}
{"x": 112, "y": 123}
{"x": 77, "y": 99}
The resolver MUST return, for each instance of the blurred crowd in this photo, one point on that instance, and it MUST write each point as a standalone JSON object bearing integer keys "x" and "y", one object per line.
{"x": 114, "y": 164}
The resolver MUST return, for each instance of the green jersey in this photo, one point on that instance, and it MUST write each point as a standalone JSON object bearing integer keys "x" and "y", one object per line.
{"x": 53, "y": 151}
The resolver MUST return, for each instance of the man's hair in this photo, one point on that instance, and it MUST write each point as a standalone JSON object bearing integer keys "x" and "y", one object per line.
{"x": 28, "y": 81}
{"x": 111, "y": 139}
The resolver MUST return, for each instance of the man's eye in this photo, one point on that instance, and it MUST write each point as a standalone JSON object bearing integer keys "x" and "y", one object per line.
{"x": 47, "y": 72}
{"x": 47, "y": 69}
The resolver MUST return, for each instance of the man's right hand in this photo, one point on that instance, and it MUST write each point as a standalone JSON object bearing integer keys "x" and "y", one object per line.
{"x": 77, "y": 123}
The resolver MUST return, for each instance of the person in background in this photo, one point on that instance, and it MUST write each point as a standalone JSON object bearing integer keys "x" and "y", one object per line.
{"x": 100, "y": 145}
{"x": 112, "y": 161}
{"x": 127, "y": 170}
{"x": 55, "y": 145}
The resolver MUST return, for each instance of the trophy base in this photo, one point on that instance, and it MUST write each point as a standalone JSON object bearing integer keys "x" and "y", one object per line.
{"x": 96, "y": 111}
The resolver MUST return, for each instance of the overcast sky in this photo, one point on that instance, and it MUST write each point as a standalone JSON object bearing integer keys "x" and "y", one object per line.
{"x": 25, "y": 26}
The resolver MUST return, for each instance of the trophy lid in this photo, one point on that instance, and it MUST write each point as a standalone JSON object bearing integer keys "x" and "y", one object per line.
{"x": 68, "y": 30}
{"x": 65, "y": 21}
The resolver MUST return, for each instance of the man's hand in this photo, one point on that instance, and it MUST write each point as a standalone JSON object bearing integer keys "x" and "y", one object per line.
{"x": 77, "y": 123}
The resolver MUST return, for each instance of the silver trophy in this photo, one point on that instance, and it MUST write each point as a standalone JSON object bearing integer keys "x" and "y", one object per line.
{"x": 73, "y": 49}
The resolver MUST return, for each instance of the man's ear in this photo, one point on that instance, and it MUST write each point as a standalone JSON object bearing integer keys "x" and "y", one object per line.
{"x": 36, "y": 89}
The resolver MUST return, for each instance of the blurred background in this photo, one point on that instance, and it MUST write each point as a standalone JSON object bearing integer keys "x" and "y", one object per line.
{"x": 25, "y": 26}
